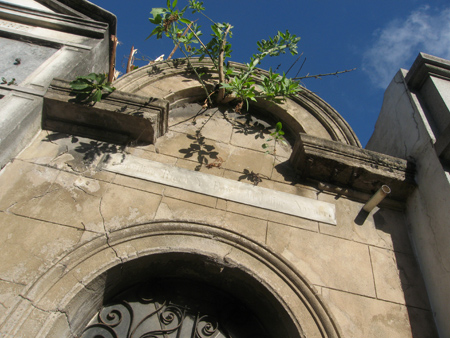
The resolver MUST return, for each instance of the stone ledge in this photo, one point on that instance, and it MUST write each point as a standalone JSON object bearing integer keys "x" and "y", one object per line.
{"x": 425, "y": 66}
{"x": 349, "y": 166}
{"x": 70, "y": 24}
{"x": 118, "y": 118}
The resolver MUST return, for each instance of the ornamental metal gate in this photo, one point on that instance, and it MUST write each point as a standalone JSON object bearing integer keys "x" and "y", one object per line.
{"x": 174, "y": 309}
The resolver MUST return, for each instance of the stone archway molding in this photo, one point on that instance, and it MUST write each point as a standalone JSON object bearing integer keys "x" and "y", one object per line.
{"x": 172, "y": 81}
{"x": 73, "y": 289}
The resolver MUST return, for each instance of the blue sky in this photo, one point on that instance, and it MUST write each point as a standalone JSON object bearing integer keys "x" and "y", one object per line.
{"x": 377, "y": 37}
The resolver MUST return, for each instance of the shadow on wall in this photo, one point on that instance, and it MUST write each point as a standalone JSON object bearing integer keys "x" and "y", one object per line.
{"x": 205, "y": 152}
{"x": 410, "y": 278}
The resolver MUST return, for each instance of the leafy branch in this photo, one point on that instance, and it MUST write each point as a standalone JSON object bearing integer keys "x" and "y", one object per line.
{"x": 240, "y": 85}
{"x": 276, "y": 136}
{"x": 91, "y": 88}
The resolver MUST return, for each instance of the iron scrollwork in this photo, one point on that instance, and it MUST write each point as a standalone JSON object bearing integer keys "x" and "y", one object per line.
{"x": 144, "y": 317}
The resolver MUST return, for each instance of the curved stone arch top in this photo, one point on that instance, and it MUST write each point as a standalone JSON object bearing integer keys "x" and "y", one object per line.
{"x": 77, "y": 286}
{"x": 302, "y": 113}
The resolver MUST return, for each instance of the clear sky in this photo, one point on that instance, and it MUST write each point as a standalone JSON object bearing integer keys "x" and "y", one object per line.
{"x": 378, "y": 37}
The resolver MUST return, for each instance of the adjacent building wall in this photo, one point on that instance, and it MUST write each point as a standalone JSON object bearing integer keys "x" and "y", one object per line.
{"x": 38, "y": 44}
{"x": 414, "y": 124}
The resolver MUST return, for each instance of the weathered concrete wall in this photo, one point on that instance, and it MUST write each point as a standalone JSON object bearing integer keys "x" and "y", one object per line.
{"x": 57, "y": 202}
{"x": 414, "y": 117}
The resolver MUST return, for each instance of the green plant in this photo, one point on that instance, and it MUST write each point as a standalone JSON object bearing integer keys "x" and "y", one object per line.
{"x": 91, "y": 88}
{"x": 242, "y": 85}
{"x": 276, "y": 136}
{"x": 9, "y": 83}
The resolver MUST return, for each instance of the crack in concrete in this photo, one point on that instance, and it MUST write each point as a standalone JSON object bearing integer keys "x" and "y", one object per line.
{"x": 12, "y": 282}
{"x": 386, "y": 244}
{"x": 373, "y": 273}
{"x": 50, "y": 222}
{"x": 59, "y": 155}
{"x": 418, "y": 133}
{"x": 107, "y": 232}
{"x": 225, "y": 259}
{"x": 267, "y": 232}
{"x": 86, "y": 286}
{"x": 32, "y": 303}
{"x": 67, "y": 319}
{"x": 12, "y": 205}
{"x": 87, "y": 193}
{"x": 45, "y": 193}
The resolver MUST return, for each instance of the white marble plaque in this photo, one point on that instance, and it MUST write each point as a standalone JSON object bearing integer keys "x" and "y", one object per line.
{"x": 221, "y": 187}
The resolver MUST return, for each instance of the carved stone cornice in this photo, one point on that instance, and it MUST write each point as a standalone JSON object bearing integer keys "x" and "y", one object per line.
{"x": 351, "y": 167}
{"x": 424, "y": 66}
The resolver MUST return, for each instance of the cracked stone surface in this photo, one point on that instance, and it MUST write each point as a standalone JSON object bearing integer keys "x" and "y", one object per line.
{"x": 30, "y": 246}
{"x": 62, "y": 218}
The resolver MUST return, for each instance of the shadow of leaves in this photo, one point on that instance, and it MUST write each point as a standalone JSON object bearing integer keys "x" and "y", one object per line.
{"x": 59, "y": 136}
{"x": 95, "y": 148}
{"x": 256, "y": 128}
{"x": 204, "y": 152}
{"x": 251, "y": 176}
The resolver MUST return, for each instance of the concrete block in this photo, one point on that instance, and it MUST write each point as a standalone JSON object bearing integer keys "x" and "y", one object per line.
{"x": 398, "y": 279}
{"x": 325, "y": 260}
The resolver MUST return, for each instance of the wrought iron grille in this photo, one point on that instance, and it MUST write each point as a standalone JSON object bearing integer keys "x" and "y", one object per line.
{"x": 152, "y": 311}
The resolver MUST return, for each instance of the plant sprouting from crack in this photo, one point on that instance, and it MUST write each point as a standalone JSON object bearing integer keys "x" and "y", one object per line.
{"x": 91, "y": 88}
{"x": 241, "y": 85}
{"x": 276, "y": 136}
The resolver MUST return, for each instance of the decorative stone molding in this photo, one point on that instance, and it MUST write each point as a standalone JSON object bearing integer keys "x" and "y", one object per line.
{"x": 76, "y": 23}
{"x": 348, "y": 166}
{"x": 188, "y": 250}
{"x": 425, "y": 66}
{"x": 429, "y": 78}
{"x": 118, "y": 118}
{"x": 171, "y": 80}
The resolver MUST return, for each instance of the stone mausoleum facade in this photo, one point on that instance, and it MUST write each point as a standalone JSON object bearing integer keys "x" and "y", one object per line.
{"x": 149, "y": 215}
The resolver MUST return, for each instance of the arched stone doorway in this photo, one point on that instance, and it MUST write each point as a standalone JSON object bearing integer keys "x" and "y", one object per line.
{"x": 190, "y": 296}
{"x": 84, "y": 281}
